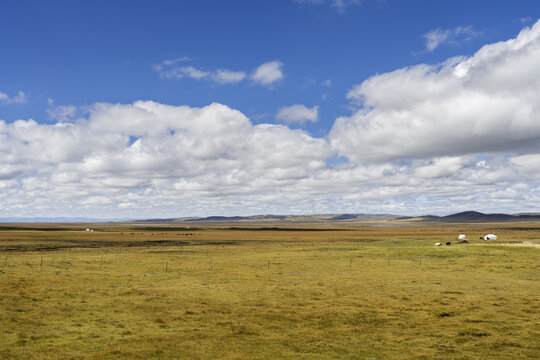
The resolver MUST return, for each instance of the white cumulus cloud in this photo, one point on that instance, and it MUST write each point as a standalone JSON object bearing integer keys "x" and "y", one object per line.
{"x": 224, "y": 76}
{"x": 268, "y": 73}
{"x": 484, "y": 103}
{"x": 151, "y": 155}
{"x": 298, "y": 113}
{"x": 20, "y": 98}
{"x": 148, "y": 159}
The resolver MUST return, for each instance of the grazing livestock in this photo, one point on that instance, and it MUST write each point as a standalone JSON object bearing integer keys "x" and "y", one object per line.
{"x": 448, "y": 243}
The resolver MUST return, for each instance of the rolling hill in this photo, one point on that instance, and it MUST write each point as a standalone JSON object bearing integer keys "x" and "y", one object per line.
{"x": 462, "y": 217}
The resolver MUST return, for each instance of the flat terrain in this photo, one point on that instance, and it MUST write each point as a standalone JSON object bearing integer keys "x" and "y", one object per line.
{"x": 358, "y": 292}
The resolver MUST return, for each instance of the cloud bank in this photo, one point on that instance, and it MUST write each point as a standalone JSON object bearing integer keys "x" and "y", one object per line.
{"x": 484, "y": 103}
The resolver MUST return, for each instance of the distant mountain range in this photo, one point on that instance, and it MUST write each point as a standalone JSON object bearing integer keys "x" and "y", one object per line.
{"x": 473, "y": 216}
{"x": 462, "y": 217}
{"x": 272, "y": 219}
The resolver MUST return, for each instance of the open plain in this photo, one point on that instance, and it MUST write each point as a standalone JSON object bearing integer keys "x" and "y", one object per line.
{"x": 305, "y": 292}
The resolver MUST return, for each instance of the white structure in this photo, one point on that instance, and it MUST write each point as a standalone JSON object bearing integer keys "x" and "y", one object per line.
{"x": 490, "y": 237}
{"x": 462, "y": 237}
{"x": 438, "y": 244}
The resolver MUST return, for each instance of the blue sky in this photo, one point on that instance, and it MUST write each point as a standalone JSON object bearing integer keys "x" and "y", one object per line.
{"x": 82, "y": 52}
{"x": 289, "y": 63}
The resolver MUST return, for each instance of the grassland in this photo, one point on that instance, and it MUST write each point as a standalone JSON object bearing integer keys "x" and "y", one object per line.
{"x": 143, "y": 292}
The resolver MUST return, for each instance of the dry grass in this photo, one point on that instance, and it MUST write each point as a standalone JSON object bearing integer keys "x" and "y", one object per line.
{"x": 357, "y": 293}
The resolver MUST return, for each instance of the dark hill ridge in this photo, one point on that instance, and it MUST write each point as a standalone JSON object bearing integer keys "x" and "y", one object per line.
{"x": 475, "y": 216}
{"x": 478, "y": 216}
{"x": 262, "y": 219}
{"x": 344, "y": 217}
{"x": 462, "y": 217}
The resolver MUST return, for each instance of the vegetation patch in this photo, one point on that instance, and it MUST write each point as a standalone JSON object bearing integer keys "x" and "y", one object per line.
{"x": 231, "y": 294}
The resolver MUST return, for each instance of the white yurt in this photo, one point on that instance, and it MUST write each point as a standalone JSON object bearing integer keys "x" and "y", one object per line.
{"x": 462, "y": 237}
{"x": 490, "y": 237}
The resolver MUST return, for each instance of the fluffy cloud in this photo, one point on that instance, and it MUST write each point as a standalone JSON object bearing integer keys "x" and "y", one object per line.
{"x": 20, "y": 98}
{"x": 150, "y": 154}
{"x": 169, "y": 69}
{"x": 268, "y": 73}
{"x": 224, "y": 76}
{"x": 437, "y": 37}
{"x": 486, "y": 103}
{"x": 148, "y": 159}
{"x": 192, "y": 72}
{"x": 298, "y": 113}
{"x": 173, "y": 69}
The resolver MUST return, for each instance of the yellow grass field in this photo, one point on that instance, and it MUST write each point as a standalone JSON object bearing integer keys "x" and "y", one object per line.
{"x": 335, "y": 292}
